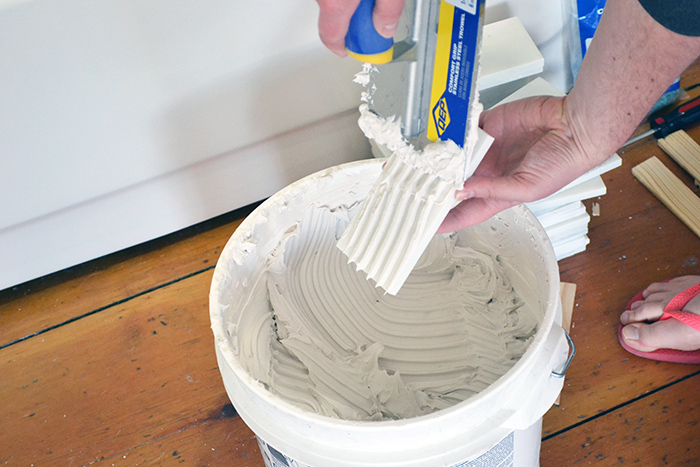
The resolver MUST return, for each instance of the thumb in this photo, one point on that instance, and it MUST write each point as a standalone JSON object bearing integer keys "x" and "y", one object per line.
{"x": 483, "y": 197}
{"x": 471, "y": 212}
{"x": 386, "y": 16}
{"x": 507, "y": 188}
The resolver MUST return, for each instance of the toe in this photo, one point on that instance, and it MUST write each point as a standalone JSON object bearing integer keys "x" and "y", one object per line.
{"x": 642, "y": 311}
{"x": 632, "y": 335}
{"x": 673, "y": 286}
{"x": 667, "y": 334}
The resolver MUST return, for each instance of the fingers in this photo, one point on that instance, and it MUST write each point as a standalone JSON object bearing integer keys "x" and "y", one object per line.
{"x": 471, "y": 212}
{"x": 484, "y": 197}
{"x": 333, "y": 21}
{"x": 499, "y": 188}
{"x": 532, "y": 157}
{"x": 386, "y": 16}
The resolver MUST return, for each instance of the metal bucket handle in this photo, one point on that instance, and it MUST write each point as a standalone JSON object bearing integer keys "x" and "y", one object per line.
{"x": 561, "y": 373}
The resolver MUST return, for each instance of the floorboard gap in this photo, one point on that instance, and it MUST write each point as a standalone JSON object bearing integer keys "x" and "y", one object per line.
{"x": 619, "y": 406}
{"x": 106, "y": 307}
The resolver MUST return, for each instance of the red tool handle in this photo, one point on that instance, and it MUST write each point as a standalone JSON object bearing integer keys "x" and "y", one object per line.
{"x": 680, "y": 118}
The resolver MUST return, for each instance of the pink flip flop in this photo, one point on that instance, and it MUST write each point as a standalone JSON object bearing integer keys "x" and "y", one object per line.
{"x": 672, "y": 310}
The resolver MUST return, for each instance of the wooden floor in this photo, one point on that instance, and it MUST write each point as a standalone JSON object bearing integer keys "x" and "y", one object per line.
{"x": 112, "y": 363}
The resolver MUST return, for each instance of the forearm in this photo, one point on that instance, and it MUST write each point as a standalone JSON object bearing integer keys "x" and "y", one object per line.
{"x": 632, "y": 60}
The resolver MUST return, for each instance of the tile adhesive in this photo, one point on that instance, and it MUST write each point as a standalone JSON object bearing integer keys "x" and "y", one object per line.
{"x": 422, "y": 350}
{"x": 330, "y": 371}
{"x": 412, "y": 196}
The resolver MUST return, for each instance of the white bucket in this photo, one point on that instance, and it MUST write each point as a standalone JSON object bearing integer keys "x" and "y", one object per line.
{"x": 499, "y": 426}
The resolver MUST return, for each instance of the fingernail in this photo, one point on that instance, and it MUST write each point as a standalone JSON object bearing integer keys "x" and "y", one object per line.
{"x": 389, "y": 30}
{"x": 462, "y": 195}
{"x": 630, "y": 333}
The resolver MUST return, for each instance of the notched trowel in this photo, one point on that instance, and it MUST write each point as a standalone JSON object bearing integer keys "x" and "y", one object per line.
{"x": 428, "y": 76}
{"x": 428, "y": 80}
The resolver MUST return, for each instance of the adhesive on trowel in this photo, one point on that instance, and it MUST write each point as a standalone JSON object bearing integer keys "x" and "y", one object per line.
{"x": 435, "y": 140}
{"x": 406, "y": 205}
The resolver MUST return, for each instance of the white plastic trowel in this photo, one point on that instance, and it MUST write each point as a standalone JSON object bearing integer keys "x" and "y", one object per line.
{"x": 421, "y": 103}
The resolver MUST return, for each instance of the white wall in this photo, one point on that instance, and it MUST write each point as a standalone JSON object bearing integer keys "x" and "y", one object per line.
{"x": 124, "y": 120}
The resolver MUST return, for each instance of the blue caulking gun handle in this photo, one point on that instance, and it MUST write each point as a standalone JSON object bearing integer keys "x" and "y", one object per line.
{"x": 363, "y": 42}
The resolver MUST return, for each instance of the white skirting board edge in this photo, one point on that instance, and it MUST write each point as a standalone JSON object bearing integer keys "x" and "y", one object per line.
{"x": 570, "y": 247}
{"x": 586, "y": 190}
{"x": 575, "y": 226}
{"x": 561, "y": 214}
{"x": 536, "y": 87}
{"x": 176, "y": 200}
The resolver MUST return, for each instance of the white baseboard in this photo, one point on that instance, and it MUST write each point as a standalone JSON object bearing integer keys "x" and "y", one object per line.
{"x": 175, "y": 200}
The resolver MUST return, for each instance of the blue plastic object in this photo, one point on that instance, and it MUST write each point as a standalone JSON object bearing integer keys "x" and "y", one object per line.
{"x": 362, "y": 41}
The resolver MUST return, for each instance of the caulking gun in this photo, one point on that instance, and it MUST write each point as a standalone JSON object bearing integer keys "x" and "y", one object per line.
{"x": 428, "y": 76}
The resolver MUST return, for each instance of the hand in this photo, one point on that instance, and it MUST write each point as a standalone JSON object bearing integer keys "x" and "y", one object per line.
{"x": 542, "y": 144}
{"x": 335, "y": 15}
{"x": 535, "y": 153}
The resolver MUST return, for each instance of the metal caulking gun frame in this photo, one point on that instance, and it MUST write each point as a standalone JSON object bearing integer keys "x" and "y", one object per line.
{"x": 428, "y": 78}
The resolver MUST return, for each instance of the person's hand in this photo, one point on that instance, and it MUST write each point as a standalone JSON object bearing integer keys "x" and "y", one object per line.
{"x": 536, "y": 151}
{"x": 334, "y": 18}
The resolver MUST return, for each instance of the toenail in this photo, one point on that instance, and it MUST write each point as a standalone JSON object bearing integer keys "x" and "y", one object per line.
{"x": 625, "y": 317}
{"x": 630, "y": 333}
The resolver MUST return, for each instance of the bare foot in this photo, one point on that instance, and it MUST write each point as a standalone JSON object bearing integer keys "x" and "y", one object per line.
{"x": 643, "y": 331}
